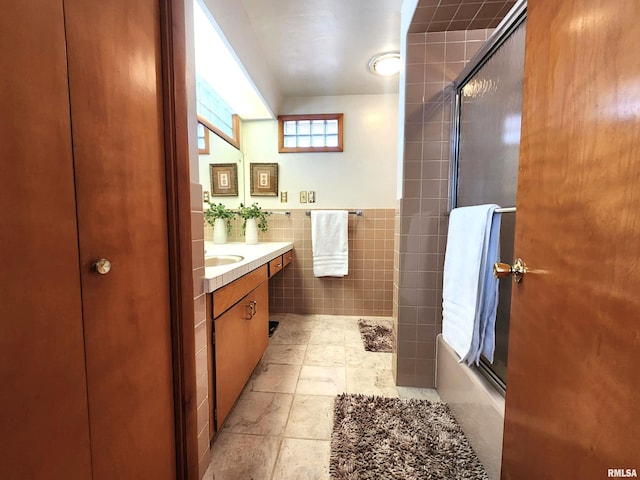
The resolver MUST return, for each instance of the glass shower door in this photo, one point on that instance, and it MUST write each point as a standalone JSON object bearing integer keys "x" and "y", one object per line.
{"x": 489, "y": 109}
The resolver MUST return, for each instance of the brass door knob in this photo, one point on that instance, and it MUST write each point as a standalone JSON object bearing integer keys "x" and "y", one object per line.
{"x": 102, "y": 266}
{"x": 517, "y": 270}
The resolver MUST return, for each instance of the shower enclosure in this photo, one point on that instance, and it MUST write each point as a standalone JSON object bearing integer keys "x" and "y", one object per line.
{"x": 486, "y": 132}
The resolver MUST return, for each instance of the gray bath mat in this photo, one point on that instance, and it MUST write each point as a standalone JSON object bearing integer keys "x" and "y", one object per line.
{"x": 377, "y": 438}
{"x": 377, "y": 336}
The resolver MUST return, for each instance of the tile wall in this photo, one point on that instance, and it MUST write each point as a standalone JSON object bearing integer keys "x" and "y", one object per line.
{"x": 366, "y": 290}
{"x": 202, "y": 371}
{"x": 433, "y": 61}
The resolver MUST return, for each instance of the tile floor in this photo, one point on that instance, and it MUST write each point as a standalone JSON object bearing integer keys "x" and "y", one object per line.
{"x": 281, "y": 425}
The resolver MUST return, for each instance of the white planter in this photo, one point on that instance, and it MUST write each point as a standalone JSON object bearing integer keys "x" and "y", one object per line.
{"x": 219, "y": 231}
{"x": 251, "y": 232}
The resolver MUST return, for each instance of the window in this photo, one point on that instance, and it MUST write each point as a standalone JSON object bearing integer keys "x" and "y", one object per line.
{"x": 215, "y": 114}
{"x": 310, "y": 133}
{"x": 203, "y": 139}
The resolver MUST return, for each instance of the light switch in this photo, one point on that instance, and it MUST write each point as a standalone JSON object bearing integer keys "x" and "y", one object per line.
{"x": 303, "y": 197}
{"x": 283, "y": 197}
{"x": 205, "y": 197}
{"x": 311, "y": 196}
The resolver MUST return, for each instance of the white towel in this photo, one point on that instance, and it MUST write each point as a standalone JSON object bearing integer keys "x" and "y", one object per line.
{"x": 329, "y": 243}
{"x": 470, "y": 292}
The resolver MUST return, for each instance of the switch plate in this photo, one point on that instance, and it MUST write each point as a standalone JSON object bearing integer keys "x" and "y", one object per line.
{"x": 283, "y": 197}
{"x": 205, "y": 197}
{"x": 303, "y": 197}
{"x": 311, "y": 196}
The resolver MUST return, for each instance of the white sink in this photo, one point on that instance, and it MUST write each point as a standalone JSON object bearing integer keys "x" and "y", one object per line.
{"x": 217, "y": 260}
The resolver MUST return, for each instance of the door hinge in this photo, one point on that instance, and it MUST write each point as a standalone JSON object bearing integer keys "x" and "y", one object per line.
{"x": 213, "y": 337}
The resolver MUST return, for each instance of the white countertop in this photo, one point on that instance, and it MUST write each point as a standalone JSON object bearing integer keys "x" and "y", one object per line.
{"x": 254, "y": 256}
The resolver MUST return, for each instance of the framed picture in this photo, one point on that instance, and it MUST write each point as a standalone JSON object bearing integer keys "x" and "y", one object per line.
{"x": 264, "y": 179}
{"x": 224, "y": 179}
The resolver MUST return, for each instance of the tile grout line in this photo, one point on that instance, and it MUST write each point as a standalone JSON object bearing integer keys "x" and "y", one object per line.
{"x": 286, "y": 423}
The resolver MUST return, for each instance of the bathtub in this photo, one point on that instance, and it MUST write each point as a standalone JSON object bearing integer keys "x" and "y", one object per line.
{"x": 476, "y": 404}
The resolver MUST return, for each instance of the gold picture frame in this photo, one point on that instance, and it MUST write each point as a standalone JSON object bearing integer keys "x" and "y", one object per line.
{"x": 264, "y": 179}
{"x": 224, "y": 179}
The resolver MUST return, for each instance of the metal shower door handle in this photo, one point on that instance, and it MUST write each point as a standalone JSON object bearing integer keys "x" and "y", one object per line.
{"x": 517, "y": 270}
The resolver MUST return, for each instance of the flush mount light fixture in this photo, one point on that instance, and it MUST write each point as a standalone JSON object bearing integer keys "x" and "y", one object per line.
{"x": 385, "y": 64}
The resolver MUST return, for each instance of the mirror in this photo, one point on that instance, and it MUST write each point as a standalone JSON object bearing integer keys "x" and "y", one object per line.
{"x": 218, "y": 166}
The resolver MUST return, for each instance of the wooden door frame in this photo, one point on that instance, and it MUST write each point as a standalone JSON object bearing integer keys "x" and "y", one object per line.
{"x": 177, "y": 151}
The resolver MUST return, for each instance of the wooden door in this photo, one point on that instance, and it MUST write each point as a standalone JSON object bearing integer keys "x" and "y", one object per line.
{"x": 573, "y": 402}
{"x": 114, "y": 54}
{"x": 86, "y": 384}
{"x": 44, "y": 430}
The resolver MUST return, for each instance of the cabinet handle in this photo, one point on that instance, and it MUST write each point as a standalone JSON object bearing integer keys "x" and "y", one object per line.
{"x": 253, "y": 309}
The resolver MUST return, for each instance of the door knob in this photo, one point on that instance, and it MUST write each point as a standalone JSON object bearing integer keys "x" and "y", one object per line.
{"x": 102, "y": 266}
{"x": 517, "y": 270}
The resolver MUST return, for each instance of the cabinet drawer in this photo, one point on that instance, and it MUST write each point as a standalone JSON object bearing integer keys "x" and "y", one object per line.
{"x": 275, "y": 266}
{"x": 225, "y": 297}
{"x": 287, "y": 258}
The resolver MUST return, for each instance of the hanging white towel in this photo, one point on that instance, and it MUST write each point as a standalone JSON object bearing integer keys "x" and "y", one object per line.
{"x": 470, "y": 292}
{"x": 329, "y": 234}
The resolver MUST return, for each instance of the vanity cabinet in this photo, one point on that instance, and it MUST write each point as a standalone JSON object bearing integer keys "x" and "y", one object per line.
{"x": 240, "y": 335}
{"x": 238, "y": 324}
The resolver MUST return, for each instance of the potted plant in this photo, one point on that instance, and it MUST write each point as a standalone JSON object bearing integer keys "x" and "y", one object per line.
{"x": 216, "y": 216}
{"x": 254, "y": 218}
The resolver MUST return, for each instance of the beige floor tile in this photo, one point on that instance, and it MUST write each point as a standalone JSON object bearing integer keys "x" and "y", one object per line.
{"x": 283, "y": 420}
{"x": 321, "y": 380}
{"x": 353, "y": 338}
{"x": 357, "y": 357}
{"x": 326, "y": 337}
{"x": 311, "y": 417}
{"x": 285, "y": 354}
{"x": 236, "y": 456}
{"x": 371, "y": 382}
{"x": 291, "y": 336}
{"x": 292, "y": 325}
{"x": 274, "y": 378}
{"x": 325, "y": 356}
{"x": 259, "y": 413}
{"x": 303, "y": 460}
{"x": 420, "y": 393}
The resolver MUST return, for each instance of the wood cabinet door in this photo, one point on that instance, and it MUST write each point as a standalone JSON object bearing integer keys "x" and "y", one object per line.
{"x": 44, "y": 431}
{"x": 259, "y": 325}
{"x": 572, "y": 402}
{"x": 114, "y": 56}
{"x": 241, "y": 337}
{"x": 231, "y": 351}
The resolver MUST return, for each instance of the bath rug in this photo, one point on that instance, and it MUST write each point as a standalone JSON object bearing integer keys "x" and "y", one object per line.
{"x": 377, "y": 336}
{"x": 378, "y": 438}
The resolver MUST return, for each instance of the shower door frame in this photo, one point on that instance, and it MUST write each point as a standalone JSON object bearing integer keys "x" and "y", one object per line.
{"x": 516, "y": 16}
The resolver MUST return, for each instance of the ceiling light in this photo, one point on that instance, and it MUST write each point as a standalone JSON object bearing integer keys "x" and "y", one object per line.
{"x": 385, "y": 64}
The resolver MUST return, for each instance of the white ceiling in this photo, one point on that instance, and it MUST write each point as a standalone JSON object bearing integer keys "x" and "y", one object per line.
{"x": 317, "y": 48}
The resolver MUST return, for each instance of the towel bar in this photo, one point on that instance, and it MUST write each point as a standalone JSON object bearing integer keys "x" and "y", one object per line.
{"x": 351, "y": 212}
{"x": 497, "y": 210}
